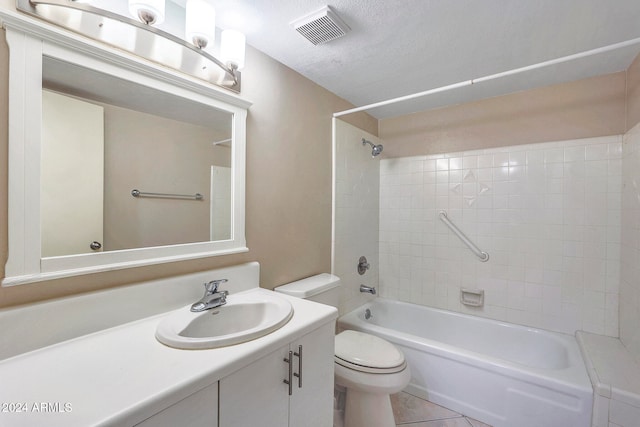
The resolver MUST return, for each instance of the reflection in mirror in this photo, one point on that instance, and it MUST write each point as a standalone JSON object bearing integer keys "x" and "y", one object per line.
{"x": 104, "y": 137}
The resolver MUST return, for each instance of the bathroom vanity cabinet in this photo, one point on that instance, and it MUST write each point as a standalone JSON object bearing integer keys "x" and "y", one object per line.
{"x": 257, "y": 394}
{"x": 198, "y": 410}
{"x": 122, "y": 376}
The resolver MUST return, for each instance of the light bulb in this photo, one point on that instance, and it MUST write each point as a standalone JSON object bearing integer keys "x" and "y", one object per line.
{"x": 232, "y": 45}
{"x": 200, "y": 24}
{"x": 147, "y": 11}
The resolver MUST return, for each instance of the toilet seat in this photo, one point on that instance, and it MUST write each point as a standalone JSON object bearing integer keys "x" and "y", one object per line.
{"x": 368, "y": 369}
{"x": 367, "y": 353}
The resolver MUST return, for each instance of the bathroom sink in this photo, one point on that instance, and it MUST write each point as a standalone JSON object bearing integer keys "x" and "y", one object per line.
{"x": 245, "y": 317}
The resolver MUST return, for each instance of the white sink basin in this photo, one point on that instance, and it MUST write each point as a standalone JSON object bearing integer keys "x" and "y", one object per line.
{"x": 245, "y": 317}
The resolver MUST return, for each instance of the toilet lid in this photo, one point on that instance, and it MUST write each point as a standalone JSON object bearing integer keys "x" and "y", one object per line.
{"x": 366, "y": 350}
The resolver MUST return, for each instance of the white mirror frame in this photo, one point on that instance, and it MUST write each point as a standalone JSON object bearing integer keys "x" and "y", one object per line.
{"x": 28, "y": 42}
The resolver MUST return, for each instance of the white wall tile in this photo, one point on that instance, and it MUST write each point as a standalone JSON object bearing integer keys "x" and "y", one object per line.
{"x": 546, "y": 215}
{"x": 623, "y": 414}
{"x": 550, "y": 215}
{"x": 357, "y": 210}
{"x": 597, "y": 152}
{"x": 629, "y": 252}
{"x": 535, "y": 157}
{"x": 554, "y": 155}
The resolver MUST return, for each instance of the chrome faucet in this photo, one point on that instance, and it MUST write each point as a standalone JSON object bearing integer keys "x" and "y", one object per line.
{"x": 368, "y": 289}
{"x": 212, "y": 297}
{"x": 363, "y": 265}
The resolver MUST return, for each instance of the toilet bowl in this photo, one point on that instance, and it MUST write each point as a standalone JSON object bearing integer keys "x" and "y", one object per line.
{"x": 369, "y": 368}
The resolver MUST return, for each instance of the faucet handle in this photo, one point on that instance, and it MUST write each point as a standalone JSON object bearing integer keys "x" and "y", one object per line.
{"x": 212, "y": 286}
{"x": 363, "y": 265}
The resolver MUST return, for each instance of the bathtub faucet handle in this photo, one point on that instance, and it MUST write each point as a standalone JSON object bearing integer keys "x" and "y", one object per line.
{"x": 368, "y": 289}
{"x": 363, "y": 265}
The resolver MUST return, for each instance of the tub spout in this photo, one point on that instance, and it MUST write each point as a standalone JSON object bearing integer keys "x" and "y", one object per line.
{"x": 368, "y": 289}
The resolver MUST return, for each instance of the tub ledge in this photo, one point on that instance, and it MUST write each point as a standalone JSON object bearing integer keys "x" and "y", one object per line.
{"x": 615, "y": 376}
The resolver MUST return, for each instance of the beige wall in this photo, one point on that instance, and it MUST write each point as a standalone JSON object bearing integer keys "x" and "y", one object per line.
{"x": 633, "y": 94}
{"x": 582, "y": 109}
{"x": 288, "y": 184}
{"x": 168, "y": 156}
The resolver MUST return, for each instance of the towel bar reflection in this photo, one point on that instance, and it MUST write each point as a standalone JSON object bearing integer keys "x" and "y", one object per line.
{"x": 484, "y": 257}
{"x": 138, "y": 193}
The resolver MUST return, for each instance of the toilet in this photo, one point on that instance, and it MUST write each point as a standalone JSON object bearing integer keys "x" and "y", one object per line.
{"x": 367, "y": 367}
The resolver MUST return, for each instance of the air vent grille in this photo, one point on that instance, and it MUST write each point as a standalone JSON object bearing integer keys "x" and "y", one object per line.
{"x": 321, "y": 26}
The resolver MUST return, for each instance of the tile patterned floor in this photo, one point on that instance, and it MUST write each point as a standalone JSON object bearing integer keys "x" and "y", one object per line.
{"x": 410, "y": 411}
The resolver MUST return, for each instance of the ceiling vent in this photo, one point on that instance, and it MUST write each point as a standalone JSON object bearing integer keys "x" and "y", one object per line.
{"x": 321, "y": 26}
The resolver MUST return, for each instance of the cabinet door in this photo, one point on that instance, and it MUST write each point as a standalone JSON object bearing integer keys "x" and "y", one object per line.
{"x": 312, "y": 404}
{"x": 256, "y": 395}
{"x": 198, "y": 410}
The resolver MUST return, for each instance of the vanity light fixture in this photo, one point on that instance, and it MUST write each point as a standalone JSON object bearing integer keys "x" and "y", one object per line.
{"x": 148, "y": 11}
{"x": 200, "y": 23}
{"x": 109, "y": 27}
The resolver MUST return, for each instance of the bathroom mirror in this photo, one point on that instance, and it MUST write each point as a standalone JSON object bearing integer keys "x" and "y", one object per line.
{"x": 104, "y": 137}
{"x": 115, "y": 162}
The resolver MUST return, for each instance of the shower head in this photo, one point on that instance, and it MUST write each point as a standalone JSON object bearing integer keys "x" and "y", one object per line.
{"x": 375, "y": 149}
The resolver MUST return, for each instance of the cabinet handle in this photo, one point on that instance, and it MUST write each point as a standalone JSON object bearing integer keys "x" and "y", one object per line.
{"x": 299, "y": 374}
{"x": 289, "y": 382}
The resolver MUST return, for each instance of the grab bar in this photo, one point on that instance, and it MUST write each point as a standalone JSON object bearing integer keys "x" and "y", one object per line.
{"x": 484, "y": 257}
{"x": 138, "y": 193}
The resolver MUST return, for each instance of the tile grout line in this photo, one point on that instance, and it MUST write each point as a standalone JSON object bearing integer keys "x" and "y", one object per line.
{"x": 423, "y": 418}
{"x": 433, "y": 419}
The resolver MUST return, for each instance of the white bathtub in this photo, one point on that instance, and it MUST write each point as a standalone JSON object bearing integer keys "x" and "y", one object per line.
{"x": 499, "y": 373}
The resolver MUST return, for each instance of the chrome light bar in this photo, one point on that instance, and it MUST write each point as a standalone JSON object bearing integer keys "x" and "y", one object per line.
{"x": 135, "y": 37}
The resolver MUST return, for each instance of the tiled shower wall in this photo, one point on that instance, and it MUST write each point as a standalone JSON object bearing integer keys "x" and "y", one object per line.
{"x": 548, "y": 214}
{"x": 630, "y": 254}
{"x": 355, "y": 222}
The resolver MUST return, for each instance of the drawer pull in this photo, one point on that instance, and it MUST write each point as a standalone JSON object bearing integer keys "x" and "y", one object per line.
{"x": 289, "y": 382}
{"x": 299, "y": 374}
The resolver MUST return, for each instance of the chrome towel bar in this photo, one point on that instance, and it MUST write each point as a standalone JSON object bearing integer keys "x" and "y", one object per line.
{"x": 138, "y": 193}
{"x": 484, "y": 257}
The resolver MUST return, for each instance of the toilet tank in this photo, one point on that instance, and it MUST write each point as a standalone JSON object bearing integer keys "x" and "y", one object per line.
{"x": 323, "y": 288}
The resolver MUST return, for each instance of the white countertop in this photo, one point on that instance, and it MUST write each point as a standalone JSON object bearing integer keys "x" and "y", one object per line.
{"x": 123, "y": 375}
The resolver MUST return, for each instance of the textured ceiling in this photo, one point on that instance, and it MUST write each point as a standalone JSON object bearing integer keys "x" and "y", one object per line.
{"x": 399, "y": 47}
